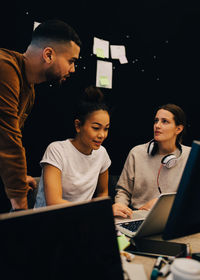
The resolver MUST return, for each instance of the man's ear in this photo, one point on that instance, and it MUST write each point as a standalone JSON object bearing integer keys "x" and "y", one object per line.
{"x": 48, "y": 55}
{"x": 77, "y": 125}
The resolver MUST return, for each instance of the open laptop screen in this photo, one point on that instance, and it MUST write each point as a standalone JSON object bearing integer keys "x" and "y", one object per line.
{"x": 184, "y": 218}
{"x": 62, "y": 242}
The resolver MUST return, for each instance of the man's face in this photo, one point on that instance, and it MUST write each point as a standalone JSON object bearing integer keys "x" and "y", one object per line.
{"x": 63, "y": 64}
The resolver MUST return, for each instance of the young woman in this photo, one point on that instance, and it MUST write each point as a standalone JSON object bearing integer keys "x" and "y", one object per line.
{"x": 155, "y": 167}
{"x": 75, "y": 169}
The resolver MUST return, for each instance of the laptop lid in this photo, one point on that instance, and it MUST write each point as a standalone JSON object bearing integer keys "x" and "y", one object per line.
{"x": 157, "y": 218}
{"x": 75, "y": 241}
{"x": 184, "y": 218}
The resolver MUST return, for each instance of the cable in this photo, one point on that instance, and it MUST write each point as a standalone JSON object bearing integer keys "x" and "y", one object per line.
{"x": 159, "y": 189}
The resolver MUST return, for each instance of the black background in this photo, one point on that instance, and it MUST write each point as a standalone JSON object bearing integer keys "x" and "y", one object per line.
{"x": 162, "y": 40}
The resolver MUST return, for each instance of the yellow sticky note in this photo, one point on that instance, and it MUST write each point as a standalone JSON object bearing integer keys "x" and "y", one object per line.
{"x": 122, "y": 242}
{"x": 104, "y": 81}
{"x": 100, "y": 52}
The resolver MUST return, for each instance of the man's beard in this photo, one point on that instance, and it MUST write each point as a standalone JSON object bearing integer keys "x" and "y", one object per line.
{"x": 52, "y": 78}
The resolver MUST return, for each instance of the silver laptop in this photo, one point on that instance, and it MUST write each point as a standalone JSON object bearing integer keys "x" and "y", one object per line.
{"x": 146, "y": 223}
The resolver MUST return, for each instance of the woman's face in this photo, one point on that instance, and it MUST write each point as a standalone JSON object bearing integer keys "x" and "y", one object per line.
{"x": 93, "y": 132}
{"x": 165, "y": 128}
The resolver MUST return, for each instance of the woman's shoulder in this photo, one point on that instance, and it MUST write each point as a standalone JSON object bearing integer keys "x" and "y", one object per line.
{"x": 141, "y": 148}
{"x": 185, "y": 149}
{"x": 58, "y": 144}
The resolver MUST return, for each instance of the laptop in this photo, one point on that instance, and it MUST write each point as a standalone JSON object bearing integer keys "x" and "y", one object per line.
{"x": 69, "y": 241}
{"x": 146, "y": 223}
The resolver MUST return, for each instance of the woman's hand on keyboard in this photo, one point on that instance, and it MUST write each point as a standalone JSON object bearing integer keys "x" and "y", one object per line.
{"x": 121, "y": 210}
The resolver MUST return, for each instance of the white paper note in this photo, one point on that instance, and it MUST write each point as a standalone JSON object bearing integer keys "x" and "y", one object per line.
{"x": 104, "y": 74}
{"x": 118, "y": 52}
{"x": 35, "y": 24}
{"x": 101, "y": 48}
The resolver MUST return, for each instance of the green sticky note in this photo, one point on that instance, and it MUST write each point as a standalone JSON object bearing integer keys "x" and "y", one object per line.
{"x": 104, "y": 81}
{"x": 100, "y": 53}
{"x": 122, "y": 242}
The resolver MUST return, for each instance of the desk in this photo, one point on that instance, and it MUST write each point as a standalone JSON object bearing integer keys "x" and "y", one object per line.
{"x": 148, "y": 262}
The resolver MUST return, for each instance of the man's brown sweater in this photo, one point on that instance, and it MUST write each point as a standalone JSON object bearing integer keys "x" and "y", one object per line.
{"x": 16, "y": 100}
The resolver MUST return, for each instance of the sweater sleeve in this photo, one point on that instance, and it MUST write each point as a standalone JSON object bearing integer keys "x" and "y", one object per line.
{"x": 13, "y": 168}
{"x": 125, "y": 183}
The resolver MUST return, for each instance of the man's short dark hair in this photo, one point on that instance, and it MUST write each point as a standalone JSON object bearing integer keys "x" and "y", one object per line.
{"x": 55, "y": 30}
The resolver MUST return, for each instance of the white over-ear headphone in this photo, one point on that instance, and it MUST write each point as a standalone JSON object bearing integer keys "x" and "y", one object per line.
{"x": 169, "y": 160}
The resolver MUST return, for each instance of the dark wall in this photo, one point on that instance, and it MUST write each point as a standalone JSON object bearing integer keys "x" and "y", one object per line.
{"x": 162, "y": 46}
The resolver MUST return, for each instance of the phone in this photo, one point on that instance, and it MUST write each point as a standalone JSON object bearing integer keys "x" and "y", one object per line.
{"x": 150, "y": 247}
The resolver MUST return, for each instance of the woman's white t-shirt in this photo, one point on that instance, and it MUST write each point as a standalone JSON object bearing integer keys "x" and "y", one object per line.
{"x": 80, "y": 172}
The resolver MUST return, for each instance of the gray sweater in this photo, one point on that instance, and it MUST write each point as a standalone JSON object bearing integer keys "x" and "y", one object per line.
{"x": 138, "y": 181}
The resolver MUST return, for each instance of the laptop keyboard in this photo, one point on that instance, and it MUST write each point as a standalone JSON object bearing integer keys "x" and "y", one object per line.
{"x": 129, "y": 228}
{"x": 132, "y": 226}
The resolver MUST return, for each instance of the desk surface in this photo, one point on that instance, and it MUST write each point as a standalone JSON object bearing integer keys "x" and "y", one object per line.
{"x": 148, "y": 262}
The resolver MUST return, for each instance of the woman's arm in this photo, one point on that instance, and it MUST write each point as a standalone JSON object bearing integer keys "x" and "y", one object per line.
{"x": 102, "y": 190}
{"x": 102, "y": 184}
{"x": 52, "y": 185}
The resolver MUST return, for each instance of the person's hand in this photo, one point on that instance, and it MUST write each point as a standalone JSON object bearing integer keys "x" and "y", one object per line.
{"x": 19, "y": 203}
{"x": 149, "y": 204}
{"x": 31, "y": 182}
{"x": 121, "y": 210}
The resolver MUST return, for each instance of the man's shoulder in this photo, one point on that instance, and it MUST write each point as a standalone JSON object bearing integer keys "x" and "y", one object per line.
{"x": 10, "y": 57}
{"x": 9, "y": 53}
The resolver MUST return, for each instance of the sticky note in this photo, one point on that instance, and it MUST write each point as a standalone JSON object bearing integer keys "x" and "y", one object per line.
{"x": 104, "y": 80}
{"x": 122, "y": 242}
{"x": 100, "y": 53}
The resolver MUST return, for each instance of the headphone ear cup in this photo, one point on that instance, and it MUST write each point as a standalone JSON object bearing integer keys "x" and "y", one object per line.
{"x": 150, "y": 147}
{"x": 169, "y": 160}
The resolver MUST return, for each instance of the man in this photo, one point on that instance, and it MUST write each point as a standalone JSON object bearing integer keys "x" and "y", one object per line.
{"x": 51, "y": 55}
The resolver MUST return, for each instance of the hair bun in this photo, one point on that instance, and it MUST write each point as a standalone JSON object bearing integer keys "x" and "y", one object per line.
{"x": 93, "y": 94}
